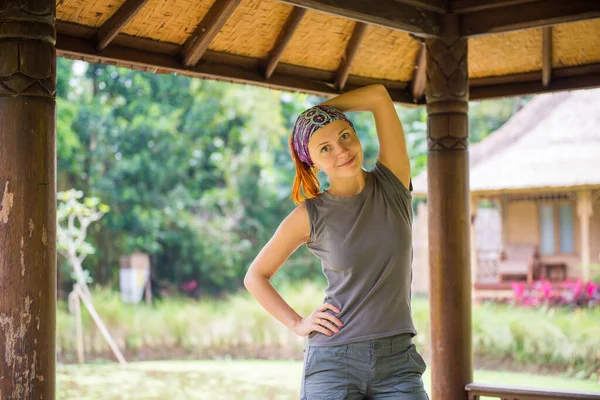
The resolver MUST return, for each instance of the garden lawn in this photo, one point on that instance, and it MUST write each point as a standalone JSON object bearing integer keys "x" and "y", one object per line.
{"x": 232, "y": 380}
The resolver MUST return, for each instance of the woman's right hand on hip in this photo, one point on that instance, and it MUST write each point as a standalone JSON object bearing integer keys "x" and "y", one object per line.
{"x": 319, "y": 321}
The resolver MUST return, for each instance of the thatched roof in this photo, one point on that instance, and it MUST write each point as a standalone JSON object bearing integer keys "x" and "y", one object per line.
{"x": 553, "y": 142}
{"x": 326, "y": 46}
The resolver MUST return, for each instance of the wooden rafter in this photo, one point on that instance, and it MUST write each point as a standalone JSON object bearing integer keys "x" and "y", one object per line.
{"x": 207, "y": 29}
{"x": 291, "y": 24}
{"x": 570, "y": 78}
{"x": 117, "y": 22}
{"x": 546, "y": 55}
{"x": 76, "y": 41}
{"x": 344, "y": 69}
{"x": 142, "y": 54}
{"x": 417, "y": 86}
{"x": 528, "y": 15}
{"x": 387, "y": 13}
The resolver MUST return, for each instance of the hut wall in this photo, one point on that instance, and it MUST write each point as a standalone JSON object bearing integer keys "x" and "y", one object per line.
{"x": 523, "y": 222}
{"x": 524, "y": 227}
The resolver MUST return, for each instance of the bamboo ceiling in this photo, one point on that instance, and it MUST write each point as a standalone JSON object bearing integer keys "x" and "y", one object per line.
{"x": 328, "y": 46}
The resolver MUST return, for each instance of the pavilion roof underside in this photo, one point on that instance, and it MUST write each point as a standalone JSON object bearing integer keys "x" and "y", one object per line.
{"x": 306, "y": 47}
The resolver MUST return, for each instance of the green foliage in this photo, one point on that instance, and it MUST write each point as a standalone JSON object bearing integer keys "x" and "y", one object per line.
{"x": 237, "y": 326}
{"x": 558, "y": 336}
{"x": 487, "y": 116}
{"x": 595, "y": 273}
{"x": 197, "y": 172}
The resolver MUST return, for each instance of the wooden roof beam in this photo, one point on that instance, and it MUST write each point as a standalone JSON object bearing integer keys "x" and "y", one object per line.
{"x": 546, "y": 55}
{"x": 528, "y": 15}
{"x": 465, "y": 6}
{"x": 75, "y": 41}
{"x": 568, "y": 78}
{"x": 344, "y": 69}
{"x": 439, "y": 6}
{"x": 291, "y": 24}
{"x": 417, "y": 85}
{"x": 144, "y": 54}
{"x": 207, "y": 29}
{"x": 117, "y": 22}
{"x": 387, "y": 13}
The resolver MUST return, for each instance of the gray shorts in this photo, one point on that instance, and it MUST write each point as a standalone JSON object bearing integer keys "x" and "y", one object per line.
{"x": 388, "y": 368}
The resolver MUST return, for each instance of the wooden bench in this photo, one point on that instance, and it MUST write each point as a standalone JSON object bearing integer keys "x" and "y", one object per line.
{"x": 518, "y": 262}
{"x": 475, "y": 390}
{"x": 547, "y": 269}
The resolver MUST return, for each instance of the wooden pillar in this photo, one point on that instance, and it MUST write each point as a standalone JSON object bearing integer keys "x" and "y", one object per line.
{"x": 27, "y": 199}
{"x": 585, "y": 211}
{"x": 449, "y": 212}
{"x": 503, "y": 206}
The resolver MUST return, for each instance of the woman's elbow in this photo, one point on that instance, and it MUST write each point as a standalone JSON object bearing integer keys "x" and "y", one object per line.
{"x": 251, "y": 278}
{"x": 248, "y": 280}
{"x": 380, "y": 89}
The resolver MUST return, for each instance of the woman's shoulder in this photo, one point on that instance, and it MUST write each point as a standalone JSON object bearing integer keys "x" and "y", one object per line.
{"x": 300, "y": 212}
{"x": 297, "y": 223}
{"x": 388, "y": 180}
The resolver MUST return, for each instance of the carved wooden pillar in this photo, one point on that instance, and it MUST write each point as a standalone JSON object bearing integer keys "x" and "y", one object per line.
{"x": 27, "y": 199}
{"x": 503, "y": 207}
{"x": 449, "y": 212}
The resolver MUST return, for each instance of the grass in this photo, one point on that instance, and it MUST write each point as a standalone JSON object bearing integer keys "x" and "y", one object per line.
{"x": 563, "y": 340}
{"x": 229, "y": 379}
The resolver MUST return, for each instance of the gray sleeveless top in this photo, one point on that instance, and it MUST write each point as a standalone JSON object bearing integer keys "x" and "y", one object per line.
{"x": 364, "y": 243}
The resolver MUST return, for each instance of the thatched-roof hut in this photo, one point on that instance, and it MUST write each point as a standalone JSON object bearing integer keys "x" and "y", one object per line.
{"x": 542, "y": 168}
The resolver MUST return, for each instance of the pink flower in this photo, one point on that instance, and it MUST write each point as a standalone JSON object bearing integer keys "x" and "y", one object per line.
{"x": 189, "y": 286}
{"x": 591, "y": 289}
{"x": 518, "y": 289}
{"x": 577, "y": 288}
{"x": 546, "y": 289}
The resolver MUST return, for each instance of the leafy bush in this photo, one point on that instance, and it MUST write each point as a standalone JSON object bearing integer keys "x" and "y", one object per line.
{"x": 570, "y": 293}
{"x": 238, "y": 327}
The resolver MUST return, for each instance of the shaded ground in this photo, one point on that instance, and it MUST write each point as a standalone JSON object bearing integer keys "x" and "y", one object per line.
{"x": 226, "y": 380}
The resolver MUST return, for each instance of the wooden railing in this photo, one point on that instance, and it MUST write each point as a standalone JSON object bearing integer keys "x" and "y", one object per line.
{"x": 475, "y": 390}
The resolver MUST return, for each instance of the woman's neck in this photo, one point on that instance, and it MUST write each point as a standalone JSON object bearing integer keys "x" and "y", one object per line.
{"x": 350, "y": 186}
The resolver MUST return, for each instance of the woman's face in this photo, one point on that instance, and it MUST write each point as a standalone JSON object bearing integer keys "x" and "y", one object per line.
{"x": 336, "y": 150}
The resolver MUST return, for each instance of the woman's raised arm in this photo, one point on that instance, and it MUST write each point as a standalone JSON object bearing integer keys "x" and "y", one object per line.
{"x": 392, "y": 143}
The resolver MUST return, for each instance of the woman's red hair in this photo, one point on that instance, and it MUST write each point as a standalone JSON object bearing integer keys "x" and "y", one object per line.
{"x": 306, "y": 184}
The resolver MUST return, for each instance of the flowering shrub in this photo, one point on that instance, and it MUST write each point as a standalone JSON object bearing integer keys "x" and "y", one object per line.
{"x": 567, "y": 293}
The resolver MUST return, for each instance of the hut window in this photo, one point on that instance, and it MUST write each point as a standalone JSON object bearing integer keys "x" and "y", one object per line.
{"x": 566, "y": 228}
{"x": 547, "y": 229}
{"x": 556, "y": 220}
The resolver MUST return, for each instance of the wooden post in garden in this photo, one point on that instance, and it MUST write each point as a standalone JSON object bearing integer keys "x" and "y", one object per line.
{"x": 27, "y": 199}
{"x": 75, "y": 308}
{"x": 449, "y": 215}
{"x": 503, "y": 206}
{"x": 87, "y": 301}
{"x": 585, "y": 210}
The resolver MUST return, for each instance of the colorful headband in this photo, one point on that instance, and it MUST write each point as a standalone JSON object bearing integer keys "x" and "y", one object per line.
{"x": 308, "y": 122}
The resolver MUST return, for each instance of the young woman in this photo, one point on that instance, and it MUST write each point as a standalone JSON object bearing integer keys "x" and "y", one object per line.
{"x": 359, "y": 343}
